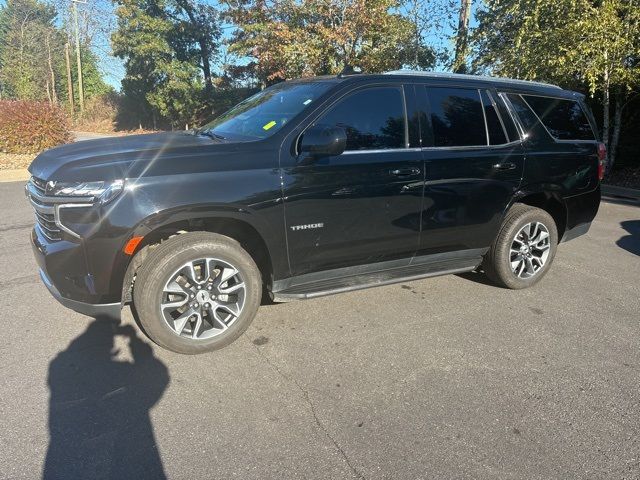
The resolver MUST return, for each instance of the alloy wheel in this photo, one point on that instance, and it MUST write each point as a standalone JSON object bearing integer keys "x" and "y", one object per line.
{"x": 203, "y": 298}
{"x": 529, "y": 250}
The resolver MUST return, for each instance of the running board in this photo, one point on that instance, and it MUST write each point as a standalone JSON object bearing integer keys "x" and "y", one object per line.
{"x": 347, "y": 279}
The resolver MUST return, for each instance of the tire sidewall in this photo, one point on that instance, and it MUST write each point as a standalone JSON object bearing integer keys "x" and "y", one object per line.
{"x": 503, "y": 248}
{"x": 164, "y": 261}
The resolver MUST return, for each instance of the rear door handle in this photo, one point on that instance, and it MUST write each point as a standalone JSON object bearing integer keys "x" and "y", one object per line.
{"x": 405, "y": 172}
{"x": 504, "y": 166}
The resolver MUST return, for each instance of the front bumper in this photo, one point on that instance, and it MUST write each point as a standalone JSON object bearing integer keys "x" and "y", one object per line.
{"x": 64, "y": 270}
{"x": 108, "y": 310}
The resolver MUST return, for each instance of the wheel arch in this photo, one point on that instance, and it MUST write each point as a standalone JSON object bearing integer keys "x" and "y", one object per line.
{"x": 548, "y": 199}
{"x": 237, "y": 224}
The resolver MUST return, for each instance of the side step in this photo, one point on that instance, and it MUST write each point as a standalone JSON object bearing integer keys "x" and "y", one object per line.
{"x": 366, "y": 276}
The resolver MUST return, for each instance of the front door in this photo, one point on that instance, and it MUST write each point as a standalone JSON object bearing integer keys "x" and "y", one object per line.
{"x": 362, "y": 206}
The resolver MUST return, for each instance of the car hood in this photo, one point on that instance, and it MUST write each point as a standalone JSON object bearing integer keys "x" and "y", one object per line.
{"x": 130, "y": 156}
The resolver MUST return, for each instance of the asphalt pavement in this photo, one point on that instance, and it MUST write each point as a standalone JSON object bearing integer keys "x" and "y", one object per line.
{"x": 447, "y": 377}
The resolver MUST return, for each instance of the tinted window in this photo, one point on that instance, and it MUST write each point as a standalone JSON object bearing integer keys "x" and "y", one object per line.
{"x": 456, "y": 117}
{"x": 497, "y": 135}
{"x": 564, "y": 119}
{"x": 526, "y": 116}
{"x": 373, "y": 119}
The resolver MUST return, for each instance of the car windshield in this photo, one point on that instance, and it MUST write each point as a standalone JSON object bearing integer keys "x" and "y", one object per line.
{"x": 266, "y": 112}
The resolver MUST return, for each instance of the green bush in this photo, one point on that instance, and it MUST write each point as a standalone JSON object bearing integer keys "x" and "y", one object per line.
{"x": 30, "y": 127}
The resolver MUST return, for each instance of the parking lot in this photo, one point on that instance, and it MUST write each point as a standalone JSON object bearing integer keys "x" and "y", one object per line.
{"x": 440, "y": 378}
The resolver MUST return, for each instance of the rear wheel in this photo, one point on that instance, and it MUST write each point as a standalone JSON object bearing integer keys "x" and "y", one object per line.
{"x": 524, "y": 249}
{"x": 197, "y": 292}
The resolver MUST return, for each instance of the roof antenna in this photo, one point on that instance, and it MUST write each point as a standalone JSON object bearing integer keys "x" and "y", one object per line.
{"x": 349, "y": 70}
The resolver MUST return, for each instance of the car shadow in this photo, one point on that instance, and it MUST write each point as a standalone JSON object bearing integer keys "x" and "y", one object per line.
{"x": 631, "y": 242}
{"x": 477, "y": 276}
{"x": 99, "y": 422}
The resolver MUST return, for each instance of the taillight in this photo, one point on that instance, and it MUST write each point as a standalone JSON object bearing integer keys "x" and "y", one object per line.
{"x": 602, "y": 159}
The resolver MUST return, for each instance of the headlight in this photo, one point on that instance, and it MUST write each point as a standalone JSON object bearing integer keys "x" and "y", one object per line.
{"x": 103, "y": 191}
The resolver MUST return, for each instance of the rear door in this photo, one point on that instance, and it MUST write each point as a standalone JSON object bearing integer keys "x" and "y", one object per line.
{"x": 362, "y": 206}
{"x": 561, "y": 143}
{"x": 474, "y": 161}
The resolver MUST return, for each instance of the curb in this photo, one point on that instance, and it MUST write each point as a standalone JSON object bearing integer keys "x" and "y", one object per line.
{"x": 614, "y": 191}
{"x": 14, "y": 175}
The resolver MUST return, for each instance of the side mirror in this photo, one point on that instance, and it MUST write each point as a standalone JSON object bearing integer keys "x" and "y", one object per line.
{"x": 323, "y": 141}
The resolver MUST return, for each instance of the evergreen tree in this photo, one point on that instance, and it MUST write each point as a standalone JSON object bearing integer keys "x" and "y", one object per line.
{"x": 168, "y": 47}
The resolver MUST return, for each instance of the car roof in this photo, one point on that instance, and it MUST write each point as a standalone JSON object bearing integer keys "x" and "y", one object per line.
{"x": 480, "y": 78}
{"x": 501, "y": 83}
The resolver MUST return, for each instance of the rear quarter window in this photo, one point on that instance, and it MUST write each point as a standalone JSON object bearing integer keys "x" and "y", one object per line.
{"x": 564, "y": 119}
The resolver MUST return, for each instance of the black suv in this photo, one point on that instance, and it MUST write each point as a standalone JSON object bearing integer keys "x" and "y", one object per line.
{"x": 312, "y": 187}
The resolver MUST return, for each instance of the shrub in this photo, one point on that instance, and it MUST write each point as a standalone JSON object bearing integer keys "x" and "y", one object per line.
{"x": 30, "y": 127}
{"x": 99, "y": 114}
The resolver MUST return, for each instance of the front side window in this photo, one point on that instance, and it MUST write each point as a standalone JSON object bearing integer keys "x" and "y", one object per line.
{"x": 373, "y": 118}
{"x": 564, "y": 119}
{"x": 266, "y": 112}
{"x": 456, "y": 117}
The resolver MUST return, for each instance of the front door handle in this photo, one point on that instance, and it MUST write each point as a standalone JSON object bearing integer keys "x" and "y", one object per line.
{"x": 505, "y": 166}
{"x": 405, "y": 172}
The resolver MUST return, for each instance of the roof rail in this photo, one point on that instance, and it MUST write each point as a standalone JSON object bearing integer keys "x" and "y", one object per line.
{"x": 469, "y": 77}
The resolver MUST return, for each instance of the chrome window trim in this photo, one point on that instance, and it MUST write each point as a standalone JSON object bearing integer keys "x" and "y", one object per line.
{"x": 484, "y": 115}
{"x": 382, "y": 150}
{"x": 495, "y": 108}
{"x": 514, "y": 116}
{"x": 476, "y": 147}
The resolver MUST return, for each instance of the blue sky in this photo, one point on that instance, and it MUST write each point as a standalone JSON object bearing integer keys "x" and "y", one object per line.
{"x": 101, "y": 14}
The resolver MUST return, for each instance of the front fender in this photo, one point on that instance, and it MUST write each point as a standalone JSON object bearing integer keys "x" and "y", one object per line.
{"x": 251, "y": 196}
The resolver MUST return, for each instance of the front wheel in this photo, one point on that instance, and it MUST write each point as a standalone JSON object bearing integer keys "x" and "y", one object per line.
{"x": 197, "y": 292}
{"x": 524, "y": 248}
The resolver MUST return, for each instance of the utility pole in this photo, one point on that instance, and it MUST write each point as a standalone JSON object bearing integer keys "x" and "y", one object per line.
{"x": 69, "y": 79}
{"x": 78, "y": 56}
{"x": 462, "y": 38}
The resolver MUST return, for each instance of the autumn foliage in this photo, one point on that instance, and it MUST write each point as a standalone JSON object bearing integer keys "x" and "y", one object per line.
{"x": 30, "y": 127}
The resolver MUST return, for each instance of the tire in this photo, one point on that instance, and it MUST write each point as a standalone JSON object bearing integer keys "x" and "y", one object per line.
{"x": 193, "y": 266}
{"x": 498, "y": 264}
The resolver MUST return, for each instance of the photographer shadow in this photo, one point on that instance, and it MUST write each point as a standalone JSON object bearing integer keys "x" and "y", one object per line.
{"x": 99, "y": 421}
{"x": 630, "y": 242}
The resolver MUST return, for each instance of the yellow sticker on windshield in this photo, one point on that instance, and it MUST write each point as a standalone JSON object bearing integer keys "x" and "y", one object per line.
{"x": 269, "y": 125}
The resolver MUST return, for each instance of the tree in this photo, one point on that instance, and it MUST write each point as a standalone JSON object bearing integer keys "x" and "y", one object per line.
{"x": 32, "y": 55}
{"x": 579, "y": 44}
{"x": 168, "y": 47}
{"x": 292, "y": 39}
{"x": 30, "y": 52}
{"x": 462, "y": 37}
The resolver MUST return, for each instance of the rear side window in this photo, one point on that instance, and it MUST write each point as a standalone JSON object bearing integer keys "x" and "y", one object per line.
{"x": 373, "y": 118}
{"x": 524, "y": 113}
{"x": 456, "y": 117}
{"x": 564, "y": 119}
{"x": 497, "y": 135}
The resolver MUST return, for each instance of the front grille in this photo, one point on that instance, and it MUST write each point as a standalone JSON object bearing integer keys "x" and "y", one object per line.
{"x": 48, "y": 227}
{"x": 39, "y": 184}
{"x": 44, "y": 210}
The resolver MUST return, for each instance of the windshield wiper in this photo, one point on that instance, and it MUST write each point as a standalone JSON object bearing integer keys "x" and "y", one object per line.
{"x": 210, "y": 134}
